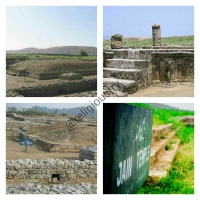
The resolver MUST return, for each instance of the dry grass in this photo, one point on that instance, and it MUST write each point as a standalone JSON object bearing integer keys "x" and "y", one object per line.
{"x": 54, "y": 66}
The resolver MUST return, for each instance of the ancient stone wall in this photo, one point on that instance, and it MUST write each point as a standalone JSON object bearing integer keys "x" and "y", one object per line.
{"x": 188, "y": 120}
{"x": 173, "y": 66}
{"x": 14, "y": 116}
{"x": 55, "y": 89}
{"x": 48, "y": 76}
{"x": 52, "y": 147}
{"x": 50, "y": 169}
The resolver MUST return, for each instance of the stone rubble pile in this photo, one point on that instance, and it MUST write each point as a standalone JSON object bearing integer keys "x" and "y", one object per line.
{"x": 31, "y": 188}
{"x": 89, "y": 153}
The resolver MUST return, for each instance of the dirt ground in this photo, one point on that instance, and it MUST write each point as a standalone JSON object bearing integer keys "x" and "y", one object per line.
{"x": 56, "y": 133}
{"x": 86, "y": 137}
{"x": 176, "y": 91}
{"x": 13, "y": 82}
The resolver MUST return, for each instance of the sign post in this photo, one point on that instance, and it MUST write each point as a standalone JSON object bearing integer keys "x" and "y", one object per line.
{"x": 25, "y": 143}
{"x": 25, "y": 74}
{"x": 127, "y": 133}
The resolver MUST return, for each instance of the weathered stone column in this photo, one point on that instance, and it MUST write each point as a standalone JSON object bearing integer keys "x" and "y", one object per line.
{"x": 116, "y": 41}
{"x": 156, "y": 35}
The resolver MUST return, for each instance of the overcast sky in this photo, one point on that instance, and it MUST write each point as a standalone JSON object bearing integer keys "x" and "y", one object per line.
{"x": 184, "y": 106}
{"x": 49, "y": 26}
{"x": 137, "y": 21}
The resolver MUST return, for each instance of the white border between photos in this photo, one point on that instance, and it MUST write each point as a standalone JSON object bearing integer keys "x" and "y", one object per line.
{"x": 99, "y": 4}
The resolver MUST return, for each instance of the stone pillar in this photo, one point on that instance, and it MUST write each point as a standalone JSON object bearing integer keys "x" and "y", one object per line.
{"x": 116, "y": 41}
{"x": 156, "y": 35}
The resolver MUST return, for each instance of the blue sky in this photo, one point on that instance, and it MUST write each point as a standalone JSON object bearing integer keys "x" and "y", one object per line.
{"x": 137, "y": 21}
{"x": 49, "y": 26}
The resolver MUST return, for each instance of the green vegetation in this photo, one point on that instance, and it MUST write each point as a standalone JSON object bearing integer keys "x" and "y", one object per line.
{"x": 143, "y": 105}
{"x": 167, "y": 41}
{"x": 181, "y": 174}
{"x": 83, "y": 53}
{"x": 22, "y": 57}
{"x": 31, "y": 112}
{"x": 168, "y": 147}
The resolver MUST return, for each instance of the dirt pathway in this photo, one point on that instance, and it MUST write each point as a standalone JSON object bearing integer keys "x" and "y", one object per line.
{"x": 177, "y": 91}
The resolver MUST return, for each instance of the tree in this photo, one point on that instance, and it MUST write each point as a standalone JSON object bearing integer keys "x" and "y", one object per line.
{"x": 83, "y": 53}
{"x": 12, "y": 109}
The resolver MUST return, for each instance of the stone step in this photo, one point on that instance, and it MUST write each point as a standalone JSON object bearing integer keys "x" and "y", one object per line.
{"x": 164, "y": 162}
{"x": 122, "y": 85}
{"x": 130, "y": 74}
{"x": 160, "y": 132}
{"x": 136, "y": 54}
{"x": 158, "y": 148}
{"x": 127, "y": 64}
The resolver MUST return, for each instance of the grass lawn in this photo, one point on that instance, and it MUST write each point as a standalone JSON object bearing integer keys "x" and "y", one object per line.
{"x": 167, "y": 41}
{"x": 181, "y": 173}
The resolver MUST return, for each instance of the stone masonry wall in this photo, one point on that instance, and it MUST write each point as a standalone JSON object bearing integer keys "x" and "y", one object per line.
{"x": 49, "y": 168}
{"x": 173, "y": 66}
{"x": 51, "y": 147}
{"x": 56, "y": 88}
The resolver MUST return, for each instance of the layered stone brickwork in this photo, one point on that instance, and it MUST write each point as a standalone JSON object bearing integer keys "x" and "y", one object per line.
{"x": 71, "y": 76}
{"x": 61, "y": 87}
{"x": 54, "y": 147}
{"x": 50, "y": 169}
{"x": 173, "y": 66}
{"x": 129, "y": 70}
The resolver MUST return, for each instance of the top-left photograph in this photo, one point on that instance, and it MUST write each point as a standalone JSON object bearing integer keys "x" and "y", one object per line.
{"x": 51, "y": 51}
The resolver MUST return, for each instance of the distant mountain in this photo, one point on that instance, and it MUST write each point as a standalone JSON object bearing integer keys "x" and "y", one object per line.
{"x": 73, "y": 50}
{"x": 70, "y": 111}
{"x": 162, "y": 106}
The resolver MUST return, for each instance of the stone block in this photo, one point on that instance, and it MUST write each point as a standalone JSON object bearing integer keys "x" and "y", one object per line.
{"x": 71, "y": 76}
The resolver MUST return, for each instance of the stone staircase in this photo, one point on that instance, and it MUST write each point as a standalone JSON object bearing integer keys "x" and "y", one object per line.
{"x": 163, "y": 150}
{"x": 127, "y": 71}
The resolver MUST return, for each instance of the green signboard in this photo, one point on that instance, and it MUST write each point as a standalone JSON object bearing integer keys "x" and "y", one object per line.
{"x": 127, "y": 132}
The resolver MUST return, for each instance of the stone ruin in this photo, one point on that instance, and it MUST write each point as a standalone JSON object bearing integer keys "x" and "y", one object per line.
{"x": 116, "y": 41}
{"x": 156, "y": 35}
{"x": 127, "y": 70}
{"x": 71, "y": 76}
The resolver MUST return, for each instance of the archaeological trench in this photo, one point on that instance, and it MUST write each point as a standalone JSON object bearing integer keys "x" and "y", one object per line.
{"x": 127, "y": 70}
{"x": 53, "y": 171}
{"x": 58, "y": 77}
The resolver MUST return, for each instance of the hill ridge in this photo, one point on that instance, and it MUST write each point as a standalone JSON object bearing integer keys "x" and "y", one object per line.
{"x": 73, "y": 50}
